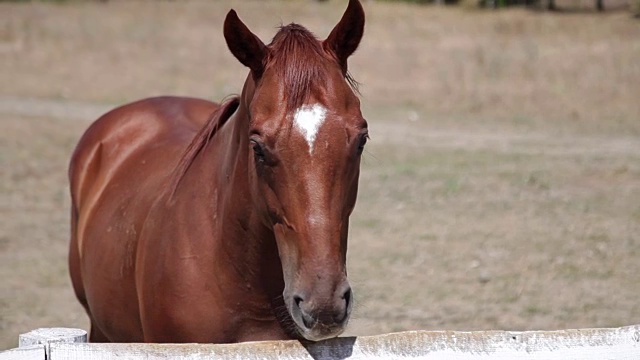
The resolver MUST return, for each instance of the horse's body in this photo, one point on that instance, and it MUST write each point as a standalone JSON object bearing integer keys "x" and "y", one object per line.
{"x": 124, "y": 165}
{"x": 199, "y": 222}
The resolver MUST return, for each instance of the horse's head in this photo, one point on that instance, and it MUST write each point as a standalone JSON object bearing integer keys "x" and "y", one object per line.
{"x": 306, "y": 136}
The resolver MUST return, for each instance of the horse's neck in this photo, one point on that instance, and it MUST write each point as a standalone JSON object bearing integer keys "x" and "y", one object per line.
{"x": 244, "y": 248}
{"x": 246, "y": 243}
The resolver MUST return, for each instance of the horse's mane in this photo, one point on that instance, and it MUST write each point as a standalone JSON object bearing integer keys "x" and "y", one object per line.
{"x": 201, "y": 139}
{"x": 297, "y": 56}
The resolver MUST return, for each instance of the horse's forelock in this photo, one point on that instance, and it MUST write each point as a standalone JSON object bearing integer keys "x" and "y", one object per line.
{"x": 299, "y": 60}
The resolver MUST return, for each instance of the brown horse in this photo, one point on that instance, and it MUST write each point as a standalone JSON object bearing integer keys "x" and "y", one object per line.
{"x": 198, "y": 222}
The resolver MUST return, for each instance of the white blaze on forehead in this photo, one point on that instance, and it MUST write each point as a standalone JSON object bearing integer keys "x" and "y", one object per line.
{"x": 308, "y": 119}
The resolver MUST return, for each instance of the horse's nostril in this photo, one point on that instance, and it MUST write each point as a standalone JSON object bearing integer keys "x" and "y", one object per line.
{"x": 341, "y": 316}
{"x": 347, "y": 297}
{"x": 297, "y": 299}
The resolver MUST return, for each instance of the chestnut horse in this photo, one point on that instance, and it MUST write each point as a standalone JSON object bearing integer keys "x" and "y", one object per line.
{"x": 198, "y": 222}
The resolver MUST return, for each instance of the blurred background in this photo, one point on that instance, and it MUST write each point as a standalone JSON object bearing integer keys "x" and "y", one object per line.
{"x": 500, "y": 190}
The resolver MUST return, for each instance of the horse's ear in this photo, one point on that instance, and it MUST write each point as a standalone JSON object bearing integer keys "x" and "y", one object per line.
{"x": 244, "y": 45}
{"x": 345, "y": 37}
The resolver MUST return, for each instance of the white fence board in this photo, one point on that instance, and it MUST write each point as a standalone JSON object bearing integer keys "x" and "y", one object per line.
{"x": 618, "y": 343}
{"x": 32, "y": 352}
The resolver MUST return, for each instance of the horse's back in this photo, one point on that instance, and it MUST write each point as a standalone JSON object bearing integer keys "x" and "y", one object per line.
{"x": 119, "y": 167}
{"x": 135, "y": 130}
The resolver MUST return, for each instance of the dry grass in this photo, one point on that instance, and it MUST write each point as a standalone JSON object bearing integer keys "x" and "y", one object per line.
{"x": 501, "y": 188}
{"x": 35, "y": 289}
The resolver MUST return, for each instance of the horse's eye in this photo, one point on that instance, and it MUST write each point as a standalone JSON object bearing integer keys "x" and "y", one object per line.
{"x": 362, "y": 143}
{"x": 258, "y": 151}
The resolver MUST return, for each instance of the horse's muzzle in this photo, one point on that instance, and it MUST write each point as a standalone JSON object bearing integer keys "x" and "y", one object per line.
{"x": 319, "y": 318}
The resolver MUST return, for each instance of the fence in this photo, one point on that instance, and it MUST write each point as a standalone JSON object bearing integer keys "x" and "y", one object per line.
{"x": 613, "y": 343}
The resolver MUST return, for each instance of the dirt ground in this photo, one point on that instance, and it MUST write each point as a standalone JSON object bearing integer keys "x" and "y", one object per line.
{"x": 500, "y": 190}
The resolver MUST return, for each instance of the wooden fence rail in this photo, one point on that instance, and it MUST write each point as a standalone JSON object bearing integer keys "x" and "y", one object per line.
{"x": 613, "y": 343}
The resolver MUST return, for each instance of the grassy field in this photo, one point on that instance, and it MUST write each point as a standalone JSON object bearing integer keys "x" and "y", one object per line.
{"x": 501, "y": 188}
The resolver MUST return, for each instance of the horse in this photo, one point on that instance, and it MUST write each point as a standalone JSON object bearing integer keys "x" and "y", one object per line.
{"x": 193, "y": 221}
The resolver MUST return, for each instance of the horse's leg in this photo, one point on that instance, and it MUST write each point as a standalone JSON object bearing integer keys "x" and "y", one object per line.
{"x": 96, "y": 335}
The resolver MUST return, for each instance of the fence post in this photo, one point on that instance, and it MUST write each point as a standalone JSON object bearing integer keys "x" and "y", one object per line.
{"x": 46, "y": 336}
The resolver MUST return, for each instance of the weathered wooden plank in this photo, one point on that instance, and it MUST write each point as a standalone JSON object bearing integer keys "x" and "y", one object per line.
{"x": 619, "y": 343}
{"x": 47, "y": 336}
{"x": 32, "y": 352}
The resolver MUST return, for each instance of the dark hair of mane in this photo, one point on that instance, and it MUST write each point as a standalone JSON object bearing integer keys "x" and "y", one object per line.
{"x": 297, "y": 56}
{"x": 201, "y": 139}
